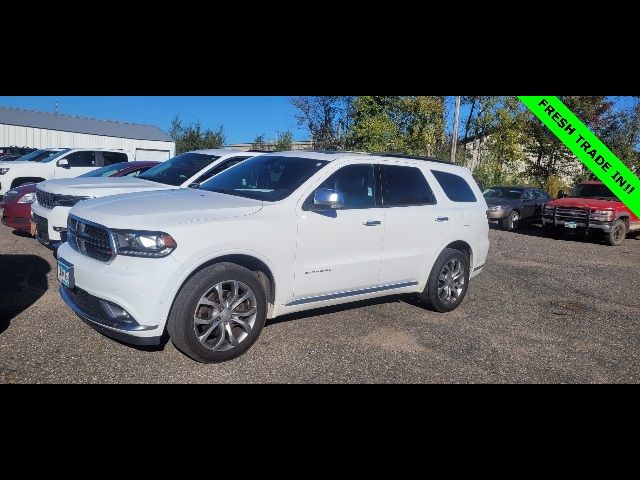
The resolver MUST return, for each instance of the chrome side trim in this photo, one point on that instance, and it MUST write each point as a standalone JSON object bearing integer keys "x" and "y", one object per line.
{"x": 351, "y": 293}
{"x": 478, "y": 268}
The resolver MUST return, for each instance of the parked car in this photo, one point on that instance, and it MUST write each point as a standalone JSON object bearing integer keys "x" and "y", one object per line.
{"x": 277, "y": 234}
{"x": 510, "y": 206}
{"x": 66, "y": 163}
{"x": 17, "y": 203}
{"x": 15, "y": 208}
{"x": 10, "y": 158}
{"x": 55, "y": 198}
{"x": 593, "y": 209}
{"x": 20, "y": 151}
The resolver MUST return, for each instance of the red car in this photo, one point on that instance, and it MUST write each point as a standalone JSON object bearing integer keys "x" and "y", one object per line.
{"x": 15, "y": 208}
{"x": 591, "y": 208}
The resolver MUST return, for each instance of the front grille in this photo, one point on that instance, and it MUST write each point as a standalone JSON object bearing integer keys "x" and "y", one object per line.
{"x": 91, "y": 240}
{"x": 42, "y": 231}
{"x": 572, "y": 213}
{"x": 86, "y": 302}
{"x": 51, "y": 200}
{"x": 45, "y": 199}
{"x": 11, "y": 197}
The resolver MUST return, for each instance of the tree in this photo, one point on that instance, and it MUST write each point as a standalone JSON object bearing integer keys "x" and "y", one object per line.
{"x": 283, "y": 142}
{"x": 405, "y": 125}
{"x": 260, "y": 144}
{"x": 193, "y": 137}
{"x": 623, "y": 135}
{"x": 326, "y": 118}
{"x": 547, "y": 156}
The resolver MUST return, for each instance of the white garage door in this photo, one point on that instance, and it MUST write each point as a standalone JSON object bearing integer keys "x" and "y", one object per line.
{"x": 143, "y": 155}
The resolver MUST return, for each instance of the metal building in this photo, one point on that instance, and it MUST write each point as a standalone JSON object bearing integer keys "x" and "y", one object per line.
{"x": 26, "y": 128}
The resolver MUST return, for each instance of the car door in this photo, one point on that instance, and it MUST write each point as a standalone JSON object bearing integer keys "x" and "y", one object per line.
{"x": 528, "y": 204}
{"x": 80, "y": 163}
{"x": 416, "y": 225}
{"x": 340, "y": 250}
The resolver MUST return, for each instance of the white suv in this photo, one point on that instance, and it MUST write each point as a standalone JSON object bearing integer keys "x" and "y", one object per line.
{"x": 277, "y": 234}
{"x": 56, "y": 198}
{"x": 66, "y": 163}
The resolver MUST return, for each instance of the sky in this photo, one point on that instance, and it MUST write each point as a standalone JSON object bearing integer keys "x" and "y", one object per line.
{"x": 243, "y": 118}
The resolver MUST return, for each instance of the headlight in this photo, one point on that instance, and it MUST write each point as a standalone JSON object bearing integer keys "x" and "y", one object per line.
{"x": 144, "y": 244}
{"x": 497, "y": 208}
{"x": 549, "y": 207}
{"x": 602, "y": 214}
{"x": 28, "y": 198}
{"x": 4, "y": 171}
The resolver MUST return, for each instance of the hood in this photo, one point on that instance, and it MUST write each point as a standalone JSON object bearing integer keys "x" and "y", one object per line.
{"x": 584, "y": 202}
{"x": 160, "y": 210}
{"x": 99, "y": 187}
{"x": 492, "y": 201}
{"x": 21, "y": 165}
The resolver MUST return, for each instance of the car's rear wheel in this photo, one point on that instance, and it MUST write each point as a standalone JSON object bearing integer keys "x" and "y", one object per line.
{"x": 218, "y": 314}
{"x": 511, "y": 222}
{"x": 448, "y": 281}
{"x": 617, "y": 235}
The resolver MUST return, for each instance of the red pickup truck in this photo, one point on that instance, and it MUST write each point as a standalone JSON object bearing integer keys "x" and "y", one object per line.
{"x": 592, "y": 208}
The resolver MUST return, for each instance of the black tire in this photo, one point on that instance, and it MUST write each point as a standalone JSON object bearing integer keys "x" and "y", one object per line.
{"x": 617, "y": 235}
{"x": 510, "y": 223}
{"x": 430, "y": 296}
{"x": 180, "y": 325}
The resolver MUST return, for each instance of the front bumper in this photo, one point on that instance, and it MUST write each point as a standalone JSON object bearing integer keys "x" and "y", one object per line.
{"x": 143, "y": 287}
{"x": 497, "y": 214}
{"x": 581, "y": 224}
{"x": 16, "y": 216}
{"x": 56, "y": 222}
{"x": 89, "y": 309}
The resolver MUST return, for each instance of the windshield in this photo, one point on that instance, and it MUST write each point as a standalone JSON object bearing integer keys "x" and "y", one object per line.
{"x": 593, "y": 190}
{"x": 506, "y": 193}
{"x": 179, "y": 169}
{"x": 267, "y": 178}
{"x": 37, "y": 156}
{"x": 108, "y": 171}
{"x": 54, "y": 156}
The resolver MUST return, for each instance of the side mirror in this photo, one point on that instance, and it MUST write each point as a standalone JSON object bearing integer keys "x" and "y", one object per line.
{"x": 327, "y": 198}
{"x": 64, "y": 163}
{"x": 562, "y": 194}
{"x": 195, "y": 186}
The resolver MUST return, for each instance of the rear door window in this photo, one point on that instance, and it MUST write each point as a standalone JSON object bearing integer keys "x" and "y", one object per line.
{"x": 455, "y": 187}
{"x": 111, "y": 158}
{"x": 405, "y": 187}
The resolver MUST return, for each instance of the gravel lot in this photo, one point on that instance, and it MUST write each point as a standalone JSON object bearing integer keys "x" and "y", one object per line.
{"x": 543, "y": 311}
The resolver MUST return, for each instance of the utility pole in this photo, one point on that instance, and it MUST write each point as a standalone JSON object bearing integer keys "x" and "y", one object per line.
{"x": 456, "y": 117}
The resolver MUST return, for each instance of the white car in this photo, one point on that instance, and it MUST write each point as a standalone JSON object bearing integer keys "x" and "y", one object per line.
{"x": 56, "y": 198}
{"x": 277, "y": 234}
{"x": 66, "y": 163}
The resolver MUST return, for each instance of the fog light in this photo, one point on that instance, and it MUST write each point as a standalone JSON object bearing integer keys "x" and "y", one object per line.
{"x": 114, "y": 311}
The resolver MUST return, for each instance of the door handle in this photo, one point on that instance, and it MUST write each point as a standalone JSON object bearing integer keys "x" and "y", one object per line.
{"x": 442, "y": 219}
{"x": 372, "y": 223}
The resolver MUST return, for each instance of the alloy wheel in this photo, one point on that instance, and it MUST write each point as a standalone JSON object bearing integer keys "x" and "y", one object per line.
{"x": 451, "y": 282}
{"x": 225, "y": 316}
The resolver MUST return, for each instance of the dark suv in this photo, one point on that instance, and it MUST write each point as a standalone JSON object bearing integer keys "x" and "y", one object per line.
{"x": 509, "y": 206}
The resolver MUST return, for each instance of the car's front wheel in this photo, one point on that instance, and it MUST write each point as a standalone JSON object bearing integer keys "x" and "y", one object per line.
{"x": 617, "y": 235}
{"x": 511, "y": 222}
{"x": 218, "y": 314}
{"x": 448, "y": 281}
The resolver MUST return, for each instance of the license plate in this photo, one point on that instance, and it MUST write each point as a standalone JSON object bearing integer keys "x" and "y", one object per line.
{"x": 65, "y": 274}
{"x": 570, "y": 224}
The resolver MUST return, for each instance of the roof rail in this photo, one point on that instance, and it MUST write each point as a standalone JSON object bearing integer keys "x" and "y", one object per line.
{"x": 336, "y": 152}
{"x": 412, "y": 157}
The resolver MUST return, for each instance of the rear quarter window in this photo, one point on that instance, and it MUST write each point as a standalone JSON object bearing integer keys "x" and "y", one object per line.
{"x": 455, "y": 187}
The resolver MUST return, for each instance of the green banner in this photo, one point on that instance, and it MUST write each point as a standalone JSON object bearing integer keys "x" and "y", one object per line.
{"x": 588, "y": 148}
